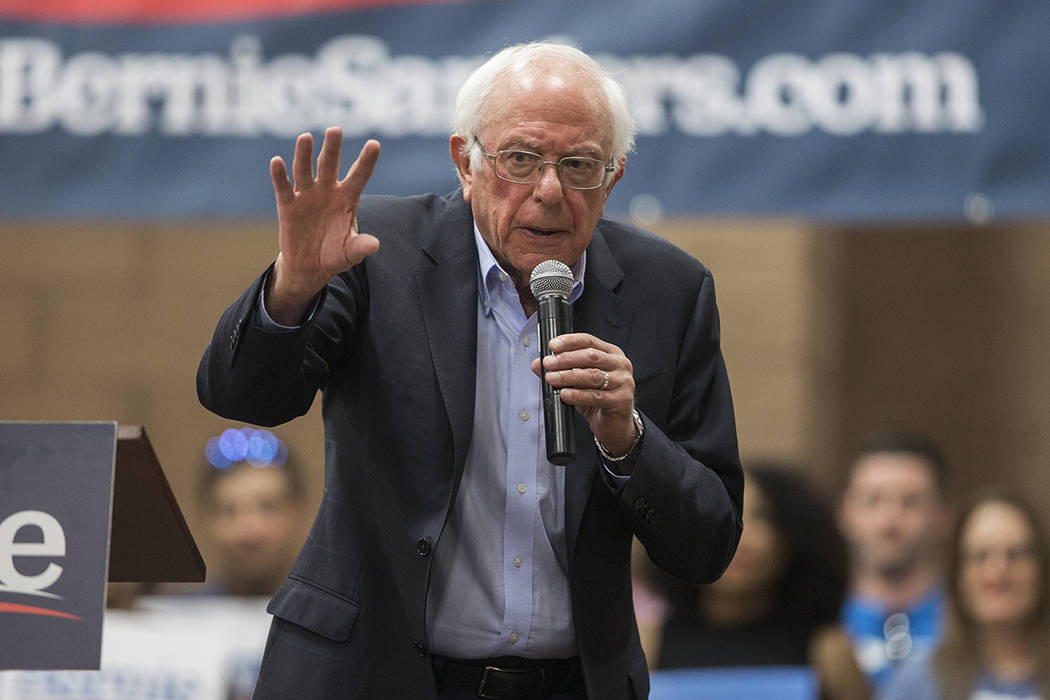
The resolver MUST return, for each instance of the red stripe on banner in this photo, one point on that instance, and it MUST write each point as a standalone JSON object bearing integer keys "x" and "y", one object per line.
{"x": 181, "y": 11}
{"x": 32, "y": 610}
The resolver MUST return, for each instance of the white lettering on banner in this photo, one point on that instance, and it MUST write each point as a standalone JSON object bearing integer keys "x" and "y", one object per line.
{"x": 52, "y": 544}
{"x": 114, "y": 684}
{"x": 354, "y": 81}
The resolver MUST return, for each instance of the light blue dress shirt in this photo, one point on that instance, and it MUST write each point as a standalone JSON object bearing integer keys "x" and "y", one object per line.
{"x": 504, "y": 591}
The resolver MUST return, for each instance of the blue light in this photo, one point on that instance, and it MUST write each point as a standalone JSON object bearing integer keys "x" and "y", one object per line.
{"x": 260, "y": 448}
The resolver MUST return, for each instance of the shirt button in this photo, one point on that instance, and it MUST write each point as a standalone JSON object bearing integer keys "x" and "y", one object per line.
{"x": 522, "y": 488}
{"x": 526, "y": 342}
{"x": 524, "y": 415}
{"x": 502, "y": 276}
{"x": 518, "y": 562}
{"x": 513, "y": 638}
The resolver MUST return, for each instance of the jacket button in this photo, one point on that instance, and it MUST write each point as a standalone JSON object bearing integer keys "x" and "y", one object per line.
{"x": 420, "y": 647}
{"x": 423, "y": 547}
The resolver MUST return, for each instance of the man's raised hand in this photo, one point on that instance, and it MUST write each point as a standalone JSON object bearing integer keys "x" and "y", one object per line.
{"x": 317, "y": 223}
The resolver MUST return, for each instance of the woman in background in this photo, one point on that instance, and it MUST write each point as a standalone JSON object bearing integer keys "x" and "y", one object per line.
{"x": 778, "y": 603}
{"x": 995, "y": 644}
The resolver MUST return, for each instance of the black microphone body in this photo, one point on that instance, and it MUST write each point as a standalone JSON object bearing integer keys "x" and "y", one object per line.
{"x": 554, "y": 317}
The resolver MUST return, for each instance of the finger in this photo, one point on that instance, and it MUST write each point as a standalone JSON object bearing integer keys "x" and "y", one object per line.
{"x": 328, "y": 160}
{"x": 580, "y": 341}
{"x": 583, "y": 358}
{"x": 593, "y": 398}
{"x": 618, "y": 397}
{"x": 282, "y": 186}
{"x": 302, "y": 167}
{"x": 361, "y": 169}
{"x": 589, "y": 379}
{"x": 360, "y": 247}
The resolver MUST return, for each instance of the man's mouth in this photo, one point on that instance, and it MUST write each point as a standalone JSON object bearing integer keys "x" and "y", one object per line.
{"x": 542, "y": 231}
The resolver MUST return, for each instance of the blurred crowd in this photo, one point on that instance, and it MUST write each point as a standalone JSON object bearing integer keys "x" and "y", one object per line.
{"x": 882, "y": 590}
{"x": 878, "y": 591}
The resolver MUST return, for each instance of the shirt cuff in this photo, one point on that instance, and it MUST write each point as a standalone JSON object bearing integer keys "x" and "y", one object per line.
{"x": 615, "y": 482}
{"x": 267, "y": 323}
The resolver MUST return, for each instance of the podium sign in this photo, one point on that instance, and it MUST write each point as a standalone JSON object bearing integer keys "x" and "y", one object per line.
{"x": 56, "y": 488}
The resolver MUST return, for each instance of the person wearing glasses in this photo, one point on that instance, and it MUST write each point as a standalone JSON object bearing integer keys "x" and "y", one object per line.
{"x": 996, "y": 642}
{"x": 449, "y": 559}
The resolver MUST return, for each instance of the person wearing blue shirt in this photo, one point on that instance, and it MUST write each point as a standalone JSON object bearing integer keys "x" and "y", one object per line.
{"x": 894, "y": 515}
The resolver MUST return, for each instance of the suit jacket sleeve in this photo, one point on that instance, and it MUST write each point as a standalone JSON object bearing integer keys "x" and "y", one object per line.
{"x": 684, "y": 497}
{"x": 252, "y": 374}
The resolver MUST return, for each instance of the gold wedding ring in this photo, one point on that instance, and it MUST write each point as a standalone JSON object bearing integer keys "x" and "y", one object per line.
{"x": 605, "y": 380}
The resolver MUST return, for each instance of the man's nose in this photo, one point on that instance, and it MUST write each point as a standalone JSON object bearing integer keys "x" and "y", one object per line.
{"x": 548, "y": 185}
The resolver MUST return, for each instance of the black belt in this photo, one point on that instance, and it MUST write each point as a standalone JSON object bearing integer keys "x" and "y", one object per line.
{"x": 510, "y": 677}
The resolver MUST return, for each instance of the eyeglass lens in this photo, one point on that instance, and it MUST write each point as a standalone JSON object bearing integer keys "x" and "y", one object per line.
{"x": 575, "y": 171}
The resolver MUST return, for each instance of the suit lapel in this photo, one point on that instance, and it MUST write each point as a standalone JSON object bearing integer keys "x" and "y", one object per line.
{"x": 602, "y": 313}
{"x": 448, "y": 292}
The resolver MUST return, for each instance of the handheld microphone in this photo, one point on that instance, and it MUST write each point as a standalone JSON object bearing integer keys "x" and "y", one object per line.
{"x": 551, "y": 282}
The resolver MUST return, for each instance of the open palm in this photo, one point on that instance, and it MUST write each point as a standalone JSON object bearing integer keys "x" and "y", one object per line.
{"x": 318, "y": 228}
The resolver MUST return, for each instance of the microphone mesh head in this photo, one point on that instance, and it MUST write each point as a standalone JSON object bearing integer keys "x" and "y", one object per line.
{"x": 551, "y": 277}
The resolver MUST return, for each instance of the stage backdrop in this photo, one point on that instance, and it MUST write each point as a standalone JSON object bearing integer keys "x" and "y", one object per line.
{"x": 868, "y": 110}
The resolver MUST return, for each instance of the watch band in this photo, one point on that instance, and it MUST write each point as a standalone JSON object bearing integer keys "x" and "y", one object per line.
{"x": 639, "y": 427}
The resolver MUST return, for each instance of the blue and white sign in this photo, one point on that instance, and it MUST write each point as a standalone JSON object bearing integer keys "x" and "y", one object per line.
{"x": 56, "y": 489}
{"x": 813, "y": 108}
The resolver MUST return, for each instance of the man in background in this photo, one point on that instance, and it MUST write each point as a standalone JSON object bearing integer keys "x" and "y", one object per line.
{"x": 894, "y": 515}
{"x": 252, "y": 497}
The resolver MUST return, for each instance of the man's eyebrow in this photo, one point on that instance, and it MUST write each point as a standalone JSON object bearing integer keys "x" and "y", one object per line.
{"x": 518, "y": 143}
{"x": 522, "y": 144}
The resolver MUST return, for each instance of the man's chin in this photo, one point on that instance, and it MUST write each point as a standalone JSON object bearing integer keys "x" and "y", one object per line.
{"x": 897, "y": 569}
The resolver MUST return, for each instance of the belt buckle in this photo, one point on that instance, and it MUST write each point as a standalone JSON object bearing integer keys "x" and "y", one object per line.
{"x": 484, "y": 692}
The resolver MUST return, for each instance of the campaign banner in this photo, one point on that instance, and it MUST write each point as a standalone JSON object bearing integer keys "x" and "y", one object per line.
{"x": 56, "y": 488}
{"x": 816, "y": 108}
{"x": 163, "y": 648}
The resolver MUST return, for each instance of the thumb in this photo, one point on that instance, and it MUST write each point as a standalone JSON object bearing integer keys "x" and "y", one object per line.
{"x": 360, "y": 246}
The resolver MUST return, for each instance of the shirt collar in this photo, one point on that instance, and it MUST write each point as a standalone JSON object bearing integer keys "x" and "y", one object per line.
{"x": 489, "y": 271}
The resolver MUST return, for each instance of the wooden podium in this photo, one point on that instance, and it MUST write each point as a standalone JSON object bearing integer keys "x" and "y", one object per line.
{"x": 149, "y": 540}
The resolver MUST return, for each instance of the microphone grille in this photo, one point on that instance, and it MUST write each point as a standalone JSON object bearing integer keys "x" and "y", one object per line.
{"x": 551, "y": 277}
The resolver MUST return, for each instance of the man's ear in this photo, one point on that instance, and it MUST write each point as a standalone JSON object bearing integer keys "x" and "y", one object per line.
{"x": 617, "y": 174}
{"x": 460, "y": 153}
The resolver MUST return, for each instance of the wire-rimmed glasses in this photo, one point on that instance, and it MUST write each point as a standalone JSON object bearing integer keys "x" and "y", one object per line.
{"x": 524, "y": 168}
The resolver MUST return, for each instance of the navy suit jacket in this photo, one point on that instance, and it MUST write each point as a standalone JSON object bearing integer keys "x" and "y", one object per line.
{"x": 392, "y": 347}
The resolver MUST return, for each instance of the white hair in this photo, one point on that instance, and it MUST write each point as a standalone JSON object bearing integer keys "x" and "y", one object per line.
{"x": 470, "y": 112}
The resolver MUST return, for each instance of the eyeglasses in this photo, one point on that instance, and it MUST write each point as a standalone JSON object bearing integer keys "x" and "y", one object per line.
{"x": 524, "y": 167}
{"x": 1010, "y": 555}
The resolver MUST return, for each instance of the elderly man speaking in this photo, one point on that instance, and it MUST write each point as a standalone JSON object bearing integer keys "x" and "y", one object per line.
{"x": 450, "y": 558}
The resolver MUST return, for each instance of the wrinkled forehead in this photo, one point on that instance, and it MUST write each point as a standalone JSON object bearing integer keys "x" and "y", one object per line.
{"x": 550, "y": 88}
